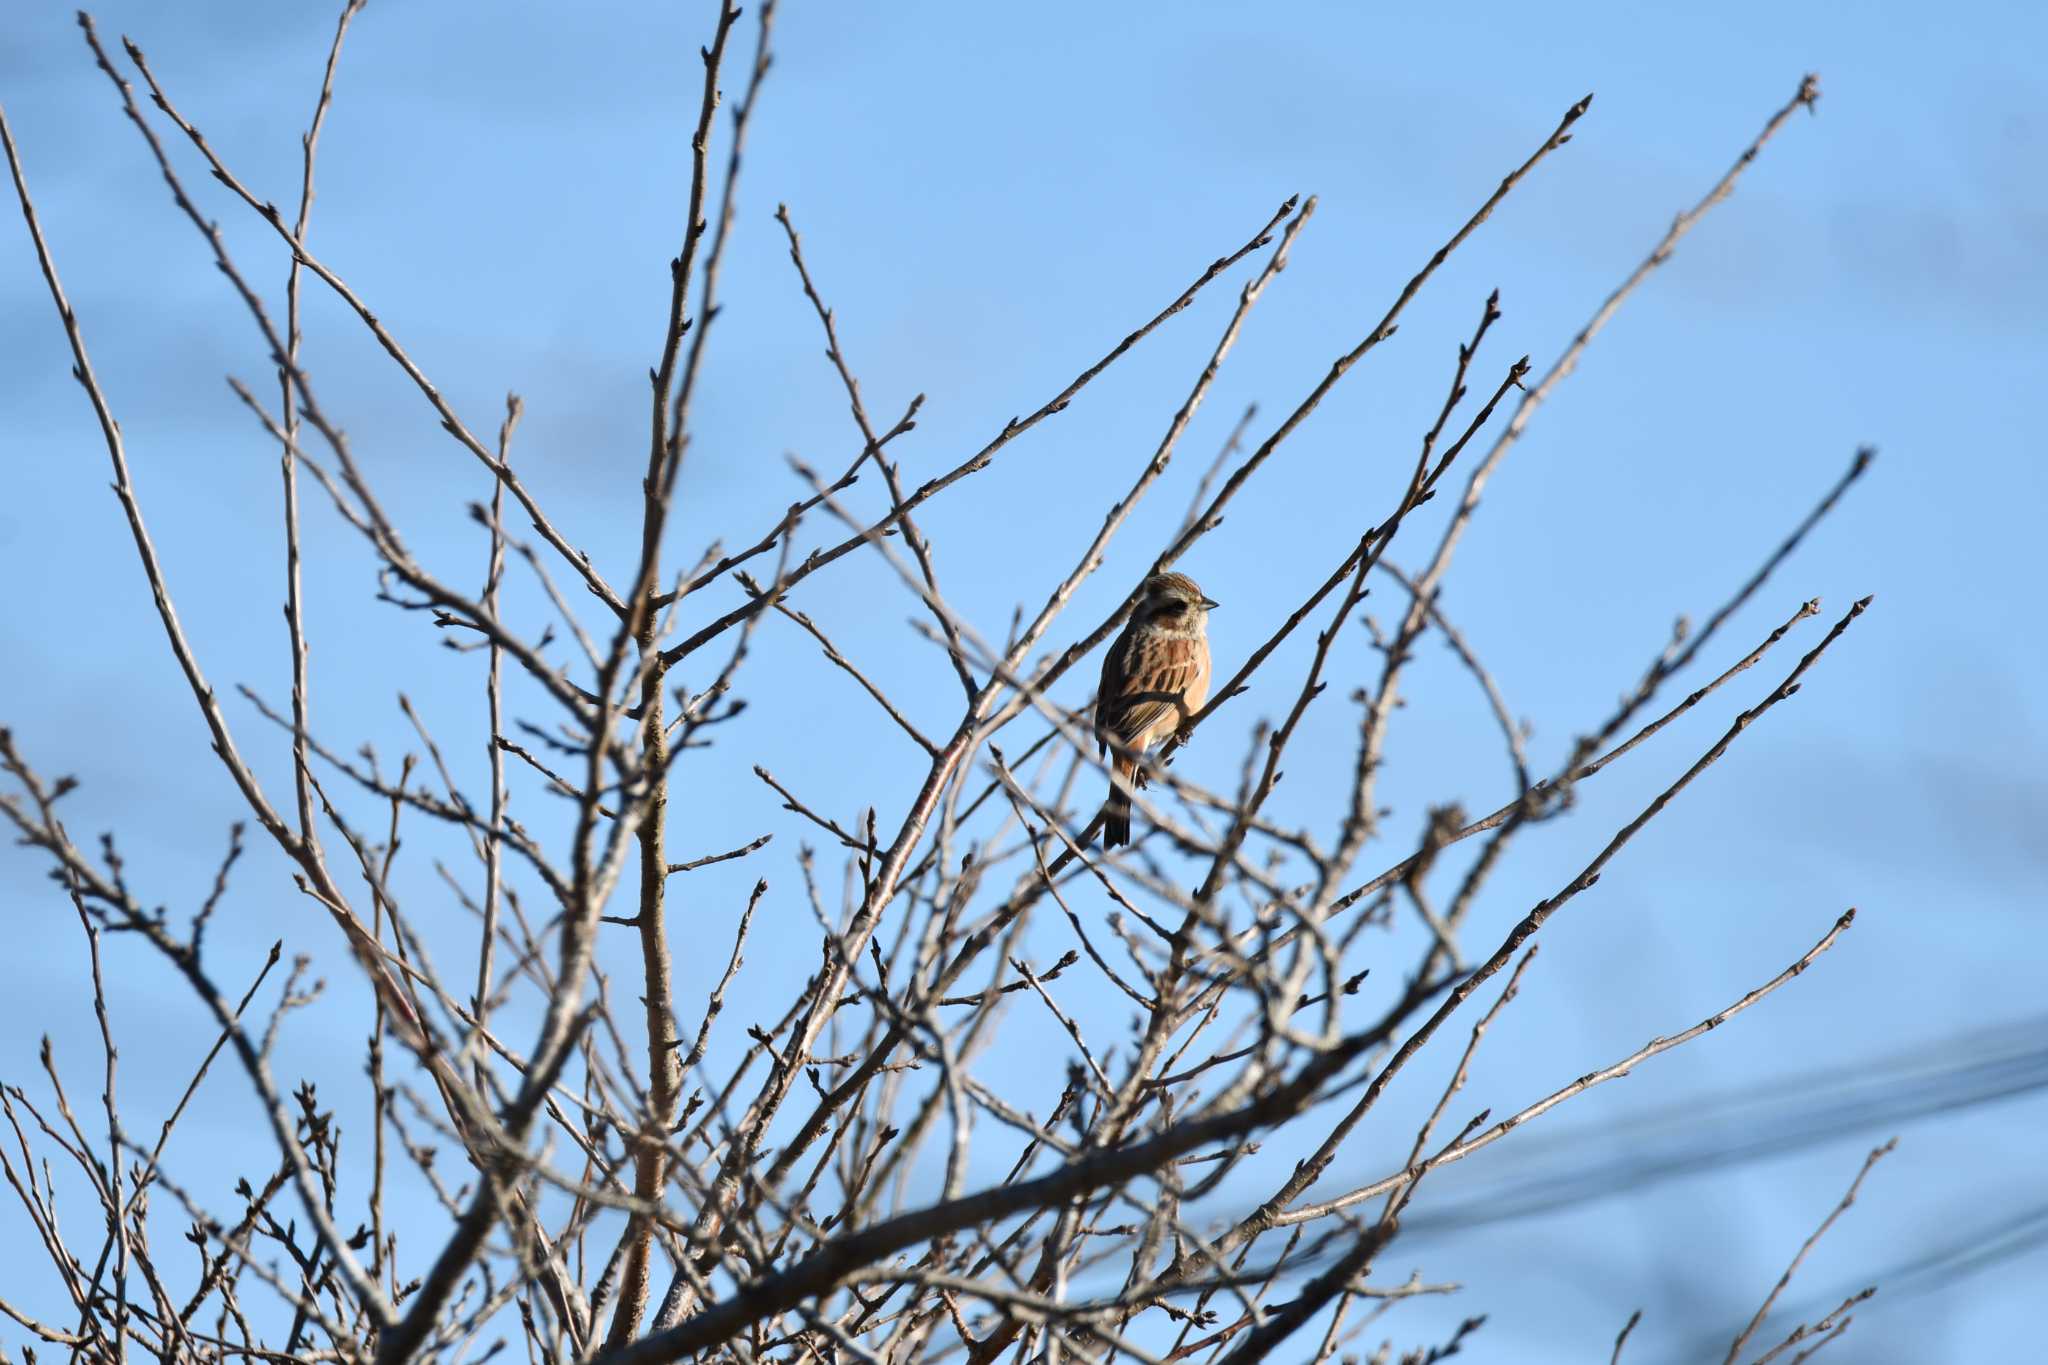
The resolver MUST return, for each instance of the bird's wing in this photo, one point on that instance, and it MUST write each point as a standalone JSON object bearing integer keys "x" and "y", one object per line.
{"x": 1105, "y": 692}
{"x": 1153, "y": 690}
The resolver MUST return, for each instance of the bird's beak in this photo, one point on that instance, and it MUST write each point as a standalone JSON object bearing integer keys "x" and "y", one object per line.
{"x": 1207, "y": 605}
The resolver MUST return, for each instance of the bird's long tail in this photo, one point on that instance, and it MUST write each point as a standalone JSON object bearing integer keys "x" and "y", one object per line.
{"x": 1116, "y": 812}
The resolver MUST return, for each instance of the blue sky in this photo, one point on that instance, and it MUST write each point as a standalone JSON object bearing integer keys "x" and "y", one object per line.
{"x": 991, "y": 199}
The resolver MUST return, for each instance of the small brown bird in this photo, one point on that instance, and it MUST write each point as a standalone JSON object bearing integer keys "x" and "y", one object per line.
{"x": 1154, "y": 678}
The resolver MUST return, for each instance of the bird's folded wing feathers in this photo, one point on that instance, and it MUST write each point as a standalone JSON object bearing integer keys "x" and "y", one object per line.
{"x": 1154, "y": 693}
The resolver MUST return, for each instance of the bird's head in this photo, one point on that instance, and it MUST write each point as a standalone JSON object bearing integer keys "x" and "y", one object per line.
{"x": 1172, "y": 601}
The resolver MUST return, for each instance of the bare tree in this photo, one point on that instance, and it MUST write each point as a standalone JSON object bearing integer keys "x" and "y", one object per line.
{"x": 854, "y": 1181}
